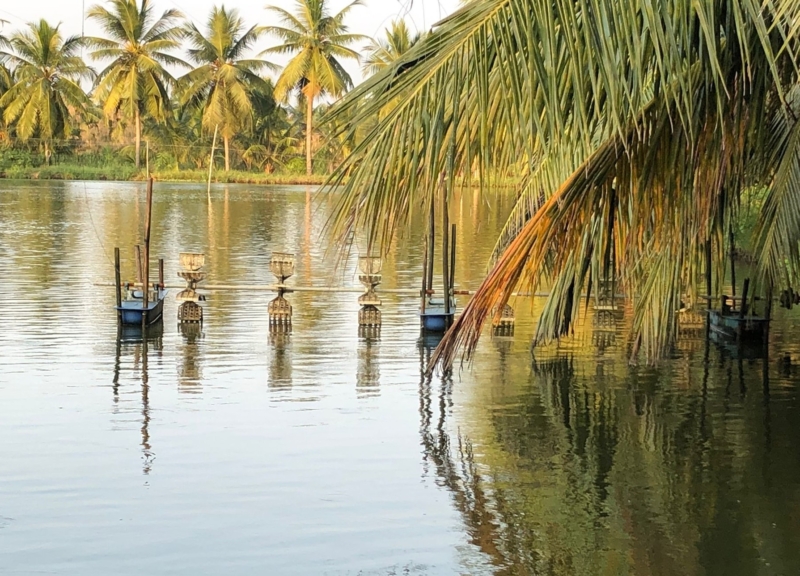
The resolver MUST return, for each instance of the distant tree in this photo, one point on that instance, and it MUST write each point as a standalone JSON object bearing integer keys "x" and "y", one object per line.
{"x": 224, "y": 81}
{"x": 384, "y": 52}
{"x": 45, "y": 84}
{"x": 135, "y": 82}
{"x": 318, "y": 41}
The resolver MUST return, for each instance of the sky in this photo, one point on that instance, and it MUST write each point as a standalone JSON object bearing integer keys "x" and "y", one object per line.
{"x": 370, "y": 19}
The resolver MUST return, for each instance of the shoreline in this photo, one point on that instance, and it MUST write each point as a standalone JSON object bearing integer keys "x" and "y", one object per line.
{"x": 85, "y": 173}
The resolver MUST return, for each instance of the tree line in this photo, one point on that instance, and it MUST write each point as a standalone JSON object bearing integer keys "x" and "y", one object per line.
{"x": 165, "y": 79}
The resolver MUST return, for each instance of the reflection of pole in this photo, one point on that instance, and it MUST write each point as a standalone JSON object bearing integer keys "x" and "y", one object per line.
{"x": 145, "y": 408}
{"x": 211, "y": 161}
{"x": 117, "y": 363}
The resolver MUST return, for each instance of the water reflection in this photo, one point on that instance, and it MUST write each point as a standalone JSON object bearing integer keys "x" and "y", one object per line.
{"x": 368, "y": 373}
{"x": 189, "y": 373}
{"x": 657, "y": 477}
{"x": 135, "y": 344}
{"x": 575, "y": 464}
{"x": 280, "y": 362}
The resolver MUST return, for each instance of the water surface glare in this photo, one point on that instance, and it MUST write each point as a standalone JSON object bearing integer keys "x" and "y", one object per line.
{"x": 229, "y": 450}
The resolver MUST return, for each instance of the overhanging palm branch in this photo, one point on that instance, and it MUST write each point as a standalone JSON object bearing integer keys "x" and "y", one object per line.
{"x": 631, "y": 129}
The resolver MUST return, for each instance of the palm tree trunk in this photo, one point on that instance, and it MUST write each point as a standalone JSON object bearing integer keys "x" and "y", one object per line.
{"x": 227, "y": 142}
{"x": 309, "y": 112}
{"x": 138, "y": 137}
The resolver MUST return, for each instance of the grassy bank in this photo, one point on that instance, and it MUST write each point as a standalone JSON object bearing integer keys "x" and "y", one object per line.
{"x": 76, "y": 172}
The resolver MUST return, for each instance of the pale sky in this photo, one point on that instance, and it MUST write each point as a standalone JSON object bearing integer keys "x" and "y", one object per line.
{"x": 369, "y": 19}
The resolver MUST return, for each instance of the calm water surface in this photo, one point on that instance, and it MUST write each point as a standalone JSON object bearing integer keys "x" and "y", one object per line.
{"x": 227, "y": 450}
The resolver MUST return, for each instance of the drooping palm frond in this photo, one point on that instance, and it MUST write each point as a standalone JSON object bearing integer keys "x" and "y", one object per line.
{"x": 632, "y": 130}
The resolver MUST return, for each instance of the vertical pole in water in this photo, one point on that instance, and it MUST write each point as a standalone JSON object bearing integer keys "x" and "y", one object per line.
{"x": 161, "y": 273}
{"x": 423, "y": 292}
{"x": 117, "y": 282}
{"x": 453, "y": 257}
{"x": 137, "y": 255}
{"x": 708, "y": 272}
{"x": 147, "y": 157}
{"x": 211, "y": 161}
{"x": 745, "y": 290}
{"x": 146, "y": 262}
{"x": 431, "y": 245}
{"x": 733, "y": 262}
{"x": 445, "y": 250}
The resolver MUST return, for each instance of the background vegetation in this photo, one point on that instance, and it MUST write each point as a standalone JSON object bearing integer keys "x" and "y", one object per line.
{"x": 153, "y": 90}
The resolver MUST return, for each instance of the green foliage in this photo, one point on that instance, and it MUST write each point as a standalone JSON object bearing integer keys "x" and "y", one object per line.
{"x": 45, "y": 84}
{"x": 635, "y": 127}
{"x": 295, "y": 166}
{"x": 224, "y": 81}
{"x": 317, "y": 41}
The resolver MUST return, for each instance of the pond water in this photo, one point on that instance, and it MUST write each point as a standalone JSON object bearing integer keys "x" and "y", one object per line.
{"x": 230, "y": 450}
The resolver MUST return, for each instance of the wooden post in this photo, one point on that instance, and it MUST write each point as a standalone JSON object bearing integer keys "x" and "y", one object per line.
{"x": 445, "y": 250}
{"x": 708, "y": 273}
{"x": 453, "y": 257}
{"x": 743, "y": 305}
{"x": 431, "y": 244}
{"x": 424, "y": 292}
{"x": 117, "y": 282}
{"x": 161, "y": 273}
{"x": 733, "y": 262}
{"x": 137, "y": 256}
{"x": 147, "y": 157}
{"x": 146, "y": 260}
{"x": 211, "y": 161}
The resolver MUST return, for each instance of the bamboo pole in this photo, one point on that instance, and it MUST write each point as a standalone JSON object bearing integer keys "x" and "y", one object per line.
{"x": 423, "y": 294}
{"x": 733, "y": 261}
{"x": 211, "y": 162}
{"x": 146, "y": 261}
{"x": 117, "y": 282}
{"x": 137, "y": 256}
{"x": 452, "y": 257}
{"x": 445, "y": 251}
{"x": 708, "y": 272}
{"x": 431, "y": 243}
{"x": 161, "y": 273}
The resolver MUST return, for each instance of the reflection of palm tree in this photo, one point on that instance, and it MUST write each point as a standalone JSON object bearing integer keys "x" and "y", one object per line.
{"x": 461, "y": 477}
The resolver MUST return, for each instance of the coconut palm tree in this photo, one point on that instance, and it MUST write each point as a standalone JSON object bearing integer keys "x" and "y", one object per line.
{"x": 224, "y": 80}
{"x": 137, "y": 43}
{"x": 318, "y": 41}
{"x": 46, "y": 91}
{"x": 383, "y": 52}
{"x": 632, "y": 128}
